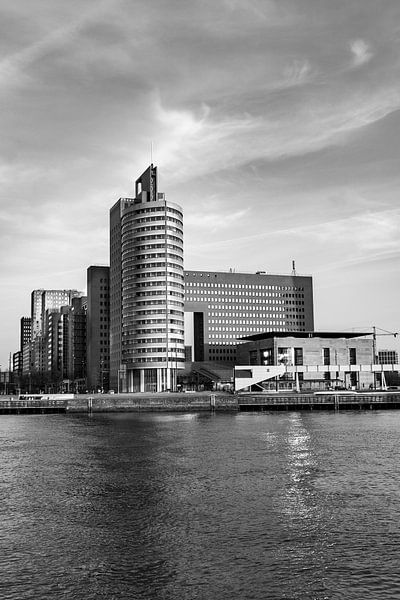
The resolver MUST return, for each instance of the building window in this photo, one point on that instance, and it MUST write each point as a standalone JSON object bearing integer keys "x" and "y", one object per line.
{"x": 326, "y": 356}
{"x": 267, "y": 356}
{"x": 298, "y": 356}
{"x": 352, "y": 356}
{"x": 284, "y": 356}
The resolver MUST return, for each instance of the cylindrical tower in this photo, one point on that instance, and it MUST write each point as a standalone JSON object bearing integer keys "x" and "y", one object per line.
{"x": 152, "y": 290}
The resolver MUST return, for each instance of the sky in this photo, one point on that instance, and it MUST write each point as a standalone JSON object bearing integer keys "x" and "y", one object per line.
{"x": 275, "y": 124}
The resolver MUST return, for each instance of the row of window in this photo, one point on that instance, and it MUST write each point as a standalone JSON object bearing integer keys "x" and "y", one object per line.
{"x": 139, "y": 240}
{"x": 159, "y": 293}
{"x": 163, "y": 227}
{"x": 295, "y": 356}
{"x": 153, "y": 209}
{"x": 172, "y": 359}
{"x": 161, "y": 217}
{"x": 257, "y": 297}
{"x": 247, "y": 286}
{"x": 159, "y": 350}
{"x": 162, "y": 255}
{"x": 154, "y": 302}
{"x": 154, "y": 311}
{"x": 155, "y": 330}
{"x": 160, "y": 340}
{"x": 156, "y": 246}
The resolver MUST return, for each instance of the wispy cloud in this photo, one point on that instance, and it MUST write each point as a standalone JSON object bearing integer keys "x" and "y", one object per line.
{"x": 297, "y": 73}
{"x": 194, "y": 145}
{"x": 212, "y": 221}
{"x": 13, "y": 68}
{"x": 364, "y": 233}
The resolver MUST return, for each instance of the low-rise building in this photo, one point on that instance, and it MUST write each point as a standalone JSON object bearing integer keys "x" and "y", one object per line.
{"x": 312, "y": 359}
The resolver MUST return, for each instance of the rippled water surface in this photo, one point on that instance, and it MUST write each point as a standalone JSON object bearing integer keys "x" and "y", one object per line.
{"x": 290, "y": 505}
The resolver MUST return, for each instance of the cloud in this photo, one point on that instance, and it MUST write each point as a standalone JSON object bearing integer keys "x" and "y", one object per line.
{"x": 13, "y": 68}
{"x": 195, "y": 144}
{"x": 297, "y": 73}
{"x": 214, "y": 221}
{"x": 361, "y": 52}
{"x": 367, "y": 234}
{"x": 254, "y": 119}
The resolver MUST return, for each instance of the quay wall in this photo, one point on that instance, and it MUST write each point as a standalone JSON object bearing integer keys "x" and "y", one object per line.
{"x": 355, "y": 401}
{"x": 196, "y": 402}
{"x": 218, "y": 402}
{"x": 153, "y": 402}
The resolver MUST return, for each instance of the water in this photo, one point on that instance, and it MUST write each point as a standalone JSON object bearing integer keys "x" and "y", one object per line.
{"x": 264, "y": 506}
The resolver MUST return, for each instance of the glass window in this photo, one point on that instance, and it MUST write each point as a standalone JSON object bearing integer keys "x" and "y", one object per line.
{"x": 298, "y": 356}
{"x": 352, "y": 356}
{"x": 326, "y": 356}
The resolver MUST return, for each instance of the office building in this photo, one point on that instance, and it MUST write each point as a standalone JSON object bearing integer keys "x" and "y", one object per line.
{"x": 25, "y": 334}
{"x": 17, "y": 363}
{"x": 77, "y": 320}
{"x": 41, "y": 300}
{"x": 64, "y": 366}
{"x": 98, "y": 328}
{"x": 222, "y": 307}
{"x": 146, "y": 289}
{"x": 39, "y": 359}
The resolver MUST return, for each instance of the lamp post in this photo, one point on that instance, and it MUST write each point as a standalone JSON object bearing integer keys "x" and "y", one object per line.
{"x": 118, "y": 380}
{"x": 101, "y": 376}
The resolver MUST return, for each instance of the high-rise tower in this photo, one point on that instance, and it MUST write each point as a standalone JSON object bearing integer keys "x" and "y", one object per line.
{"x": 146, "y": 290}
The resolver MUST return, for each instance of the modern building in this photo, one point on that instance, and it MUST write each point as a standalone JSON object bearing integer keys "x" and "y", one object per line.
{"x": 42, "y": 300}
{"x": 40, "y": 359}
{"x": 146, "y": 289}
{"x": 77, "y": 322}
{"x": 25, "y": 336}
{"x": 25, "y": 331}
{"x": 98, "y": 328}
{"x": 36, "y": 312}
{"x": 318, "y": 359}
{"x": 27, "y": 354}
{"x": 222, "y": 307}
{"x": 388, "y": 357}
{"x": 65, "y": 347}
{"x": 17, "y": 363}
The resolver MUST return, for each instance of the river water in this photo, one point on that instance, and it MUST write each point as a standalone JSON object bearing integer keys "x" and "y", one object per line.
{"x": 247, "y": 506}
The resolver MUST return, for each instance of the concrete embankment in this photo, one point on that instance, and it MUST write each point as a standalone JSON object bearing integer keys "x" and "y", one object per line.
{"x": 219, "y": 402}
{"x": 324, "y": 401}
{"x": 168, "y": 402}
{"x": 202, "y": 401}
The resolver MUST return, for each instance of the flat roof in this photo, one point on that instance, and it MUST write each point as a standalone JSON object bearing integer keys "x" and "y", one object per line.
{"x": 306, "y": 334}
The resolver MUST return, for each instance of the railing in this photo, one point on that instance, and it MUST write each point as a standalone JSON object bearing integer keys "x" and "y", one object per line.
{"x": 33, "y": 405}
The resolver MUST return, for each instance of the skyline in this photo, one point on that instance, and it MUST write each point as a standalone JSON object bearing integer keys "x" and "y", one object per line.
{"x": 274, "y": 125}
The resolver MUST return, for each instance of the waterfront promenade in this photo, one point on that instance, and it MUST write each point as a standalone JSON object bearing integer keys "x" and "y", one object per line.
{"x": 200, "y": 402}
